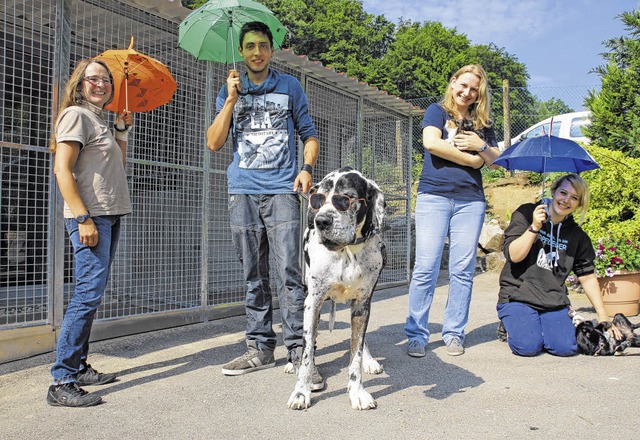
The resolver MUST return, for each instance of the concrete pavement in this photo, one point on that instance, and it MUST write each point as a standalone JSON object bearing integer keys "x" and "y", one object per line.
{"x": 171, "y": 386}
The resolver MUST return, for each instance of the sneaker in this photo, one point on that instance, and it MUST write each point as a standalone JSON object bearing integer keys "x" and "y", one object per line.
{"x": 416, "y": 349}
{"x": 501, "y": 332}
{"x": 454, "y": 347}
{"x": 70, "y": 394}
{"x": 90, "y": 376}
{"x": 317, "y": 381}
{"x": 252, "y": 360}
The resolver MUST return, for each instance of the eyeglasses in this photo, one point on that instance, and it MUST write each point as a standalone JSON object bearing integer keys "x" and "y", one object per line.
{"x": 339, "y": 201}
{"x": 96, "y": 80}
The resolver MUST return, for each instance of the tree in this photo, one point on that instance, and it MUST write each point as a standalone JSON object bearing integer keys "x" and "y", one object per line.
{"x": 615, "y": 109}
{"x": 420, "y": 61}
{"x": 552, "y": 107}
{"x": 339, "y": 33}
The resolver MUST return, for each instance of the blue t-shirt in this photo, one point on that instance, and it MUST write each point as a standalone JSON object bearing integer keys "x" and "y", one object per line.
{"x": 443, "y": 177}
{"x": 265, "y": 120}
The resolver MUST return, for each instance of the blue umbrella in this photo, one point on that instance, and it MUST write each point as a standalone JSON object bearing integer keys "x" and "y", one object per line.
{"x": 545, "y": 154}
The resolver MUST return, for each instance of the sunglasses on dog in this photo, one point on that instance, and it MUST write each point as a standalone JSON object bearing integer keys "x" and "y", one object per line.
{"x": 339, "y": 201}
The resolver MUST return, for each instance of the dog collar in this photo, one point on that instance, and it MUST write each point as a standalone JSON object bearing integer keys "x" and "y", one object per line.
{"x": 360, "y": 240}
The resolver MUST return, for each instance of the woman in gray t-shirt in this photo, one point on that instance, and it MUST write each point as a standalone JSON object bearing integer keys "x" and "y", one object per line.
{"x": 89, "y": 168}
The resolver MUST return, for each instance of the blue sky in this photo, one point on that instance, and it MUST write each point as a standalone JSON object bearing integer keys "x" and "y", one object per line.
{"x": 559, "y": 41}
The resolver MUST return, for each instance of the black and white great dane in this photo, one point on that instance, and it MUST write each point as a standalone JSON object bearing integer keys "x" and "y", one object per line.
{"x": 344, "y": 256}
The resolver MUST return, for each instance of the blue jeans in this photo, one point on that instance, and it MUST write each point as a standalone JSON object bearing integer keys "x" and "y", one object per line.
{"x": 92, "y": 265}
{"x": 261, "y": 224}
{"x": 436, "y": 218}
{"x": 530, "y": 331}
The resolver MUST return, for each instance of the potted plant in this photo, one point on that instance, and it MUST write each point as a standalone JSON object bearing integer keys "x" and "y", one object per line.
{"x": 617, "y": 267}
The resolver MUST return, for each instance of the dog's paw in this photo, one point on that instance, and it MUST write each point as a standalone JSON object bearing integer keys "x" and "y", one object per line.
{"x": 299, "y": 399}
{"x": 372, "y": 366}
{"x": 289, "y": 368}
{"x": 577, "y": 319}
{"x": 361, "y": 399}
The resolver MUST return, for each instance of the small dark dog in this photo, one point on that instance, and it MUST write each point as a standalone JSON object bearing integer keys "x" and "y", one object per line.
{"x": 598, "y": 340}
{"x": 453, "y": 126}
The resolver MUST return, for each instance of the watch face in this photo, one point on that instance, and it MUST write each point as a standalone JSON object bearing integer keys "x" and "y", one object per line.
{"x": 82, "y": 218}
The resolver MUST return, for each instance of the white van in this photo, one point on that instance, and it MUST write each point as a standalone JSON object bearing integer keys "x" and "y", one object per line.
{"x": 568, "y": 126}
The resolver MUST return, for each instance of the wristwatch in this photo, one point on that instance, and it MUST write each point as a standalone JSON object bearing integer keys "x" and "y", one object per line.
{"x": 83, "y": 217}
{"x": 530, "y": 229}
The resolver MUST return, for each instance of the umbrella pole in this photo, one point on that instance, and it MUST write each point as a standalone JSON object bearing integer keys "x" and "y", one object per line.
{"x": 233, "y": 51}
{"x": 126, "y": 86}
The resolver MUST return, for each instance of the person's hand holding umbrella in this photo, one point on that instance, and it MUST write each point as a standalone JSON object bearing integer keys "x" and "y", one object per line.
{"x": 233, "y": 84}
{"x": 123, "y": 125}
{"x": 540, "y": 216}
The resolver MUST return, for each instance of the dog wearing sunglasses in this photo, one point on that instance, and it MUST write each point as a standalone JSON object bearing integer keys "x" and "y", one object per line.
{"x": 598, "y": 340}
{"x": 344, "y": 255}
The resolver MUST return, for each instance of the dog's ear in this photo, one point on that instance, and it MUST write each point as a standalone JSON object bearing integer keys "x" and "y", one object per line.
{"x": 311, "y": 213}
{"x": 586, "y": 338}
{"x": 375, "y": 208}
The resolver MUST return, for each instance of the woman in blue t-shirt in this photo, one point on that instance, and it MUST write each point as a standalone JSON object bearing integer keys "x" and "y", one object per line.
{"x": 450, "y": 203}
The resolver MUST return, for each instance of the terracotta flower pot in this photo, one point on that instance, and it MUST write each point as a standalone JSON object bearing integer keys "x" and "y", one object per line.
{"x": 621, "y": 293}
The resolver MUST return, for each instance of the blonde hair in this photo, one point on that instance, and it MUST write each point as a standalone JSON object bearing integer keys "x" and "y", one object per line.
{"x": 480, "y": 109}
{"x": 581, "y": 188}
{"x": 73, "y": 92}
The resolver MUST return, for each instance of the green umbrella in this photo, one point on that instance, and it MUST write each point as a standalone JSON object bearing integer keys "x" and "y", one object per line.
{"x": 212, "y": 31}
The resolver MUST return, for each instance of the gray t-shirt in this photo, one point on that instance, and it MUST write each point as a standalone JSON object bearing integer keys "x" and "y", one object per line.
{"x": 99, "y": 170}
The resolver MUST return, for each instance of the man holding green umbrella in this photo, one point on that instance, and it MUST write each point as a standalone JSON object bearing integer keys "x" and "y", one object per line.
{"x": 264, "y": 109}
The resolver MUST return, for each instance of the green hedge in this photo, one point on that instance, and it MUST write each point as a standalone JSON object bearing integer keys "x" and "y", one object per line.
{"x": 614, "y": 190}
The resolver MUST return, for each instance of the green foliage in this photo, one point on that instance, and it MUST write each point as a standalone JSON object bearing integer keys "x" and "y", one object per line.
{"x": 420, "y": 61}
{"x": 490, "y": 176}
{"x": 193, "y": 4}
{"x": 552, "y": 107}
{"x": 614, "y": 205}
{"x": 614, "y": 253}
{"x": 615, "y": 108}
{"x": 416, "y": 165}
{"x": 339, "y": 33}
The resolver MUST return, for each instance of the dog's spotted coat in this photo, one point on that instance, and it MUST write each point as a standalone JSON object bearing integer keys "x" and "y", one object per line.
{"x": 344, "y": 256}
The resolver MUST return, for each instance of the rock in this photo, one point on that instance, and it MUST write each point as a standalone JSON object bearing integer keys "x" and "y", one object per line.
{"x": 495, "y": 261}
{"x": 491, "y": 237}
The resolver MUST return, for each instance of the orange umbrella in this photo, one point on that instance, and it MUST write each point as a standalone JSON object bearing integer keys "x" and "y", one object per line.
{"x": 141, "y": 83}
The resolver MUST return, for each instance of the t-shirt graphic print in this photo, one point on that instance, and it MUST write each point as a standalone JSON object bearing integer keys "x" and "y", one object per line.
{"x": 261, "y": 123}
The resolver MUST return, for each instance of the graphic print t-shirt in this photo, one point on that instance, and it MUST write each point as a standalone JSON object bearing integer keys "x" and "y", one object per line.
{"x": 266, "y": 119}
{"x": 263, "y": 141}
